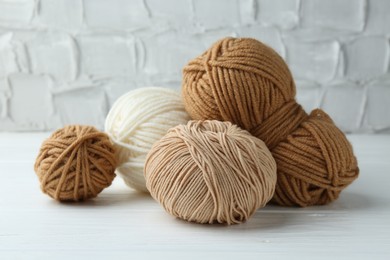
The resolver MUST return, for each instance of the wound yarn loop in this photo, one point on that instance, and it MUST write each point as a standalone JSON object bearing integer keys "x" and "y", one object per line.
{"x": 247, "y": 83}
{"x": 280, "y": 124}
{"x": 75, "y": 163}
{"x": 210, "y": 172}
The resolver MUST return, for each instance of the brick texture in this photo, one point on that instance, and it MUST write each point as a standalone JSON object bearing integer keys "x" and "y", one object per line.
{"x": 67, "y": 61}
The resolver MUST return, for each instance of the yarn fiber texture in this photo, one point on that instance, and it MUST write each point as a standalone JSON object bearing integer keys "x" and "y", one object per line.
{"x": 75, "y": 163}
{"x": 136, "y": 121}
{"x": 210, "y": 172}
{"x": 246, "y": 82}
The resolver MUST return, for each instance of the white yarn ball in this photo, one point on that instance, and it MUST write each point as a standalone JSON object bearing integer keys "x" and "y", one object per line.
{"x": 136, "y": 121}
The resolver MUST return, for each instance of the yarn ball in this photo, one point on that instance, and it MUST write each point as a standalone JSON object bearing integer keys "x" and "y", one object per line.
{"x": 210, "y": 172}
{"x": 75, "y": 163}
{"x": 136, "y": 121}
{"x": 246, "y": 82}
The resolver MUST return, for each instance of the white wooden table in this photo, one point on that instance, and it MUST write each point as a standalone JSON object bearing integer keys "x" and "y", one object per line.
{"x": 122, "y": 224}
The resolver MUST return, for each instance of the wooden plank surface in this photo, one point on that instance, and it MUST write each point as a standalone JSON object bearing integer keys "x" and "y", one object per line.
{"x": 123, "y": 224}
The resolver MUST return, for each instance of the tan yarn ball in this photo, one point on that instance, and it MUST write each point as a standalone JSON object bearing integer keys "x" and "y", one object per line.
{"x": 75, "y": 163}
{"x": 210, "y": 172}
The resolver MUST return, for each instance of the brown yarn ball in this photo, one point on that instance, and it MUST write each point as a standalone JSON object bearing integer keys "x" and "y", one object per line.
{"x": 210, "y": 172}
{"x": 246, "y": 82}
{"x": 75, "y": 163}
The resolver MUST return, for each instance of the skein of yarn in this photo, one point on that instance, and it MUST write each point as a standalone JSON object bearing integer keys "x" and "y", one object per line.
{"x": 136, "y": 121}
{"x": 75, "y": 163}
{"x": 249, "y": 84}
{"x": 210, "y": 172}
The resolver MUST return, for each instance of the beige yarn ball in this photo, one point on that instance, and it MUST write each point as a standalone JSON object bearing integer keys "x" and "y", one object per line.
{"x": 210, "y": 172}
{"x": 136, "y": 121}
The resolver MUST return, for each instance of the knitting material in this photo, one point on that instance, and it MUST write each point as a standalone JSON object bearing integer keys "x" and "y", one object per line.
{"x": 249, "y": 84}
{"x": 210, "y": 172}
{"x": 136, "y": 121}
{"x": 75, "y": 163}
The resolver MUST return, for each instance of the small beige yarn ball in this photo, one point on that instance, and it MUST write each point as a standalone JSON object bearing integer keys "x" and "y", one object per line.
{"x": 210, "y": 172}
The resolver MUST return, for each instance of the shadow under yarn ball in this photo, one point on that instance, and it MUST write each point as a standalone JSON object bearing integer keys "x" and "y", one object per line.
{"x": 246, "y": 82}
{"x": 75, "y": 163}
{"x": 210, "y": 172}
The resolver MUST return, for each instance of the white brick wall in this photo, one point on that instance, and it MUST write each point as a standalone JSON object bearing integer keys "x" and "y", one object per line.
{"x": 66, "y": 61}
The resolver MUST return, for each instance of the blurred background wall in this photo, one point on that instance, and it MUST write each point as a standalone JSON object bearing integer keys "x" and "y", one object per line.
{"x": 66, "y": 61}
